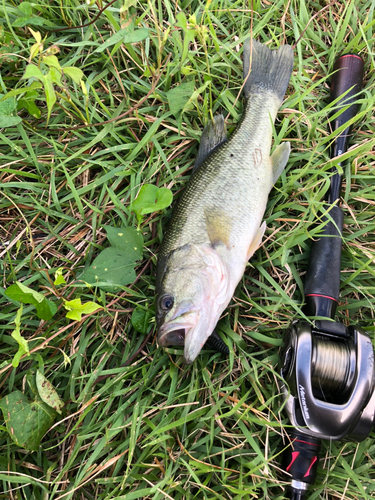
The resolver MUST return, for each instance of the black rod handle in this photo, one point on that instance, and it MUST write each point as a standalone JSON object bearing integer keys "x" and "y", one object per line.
{"x": 348, "y": 76}
{"x": 322, "y": 282}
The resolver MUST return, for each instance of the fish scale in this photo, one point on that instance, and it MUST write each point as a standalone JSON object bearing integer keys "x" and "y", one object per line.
{"x": 216, "y": 224}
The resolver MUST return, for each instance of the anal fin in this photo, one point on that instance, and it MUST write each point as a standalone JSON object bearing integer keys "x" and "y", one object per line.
{"x": 279, "y": 159}
{"x": 214, "y": 134}
{"x": 257, "y": 240}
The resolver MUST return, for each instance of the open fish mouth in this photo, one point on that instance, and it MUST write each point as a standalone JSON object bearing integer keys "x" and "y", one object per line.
{"x": 175, "y": 331}
{"x": 176, "y": 336}
{"x": 191, "y": 335}
{"x": 190, "y": 330}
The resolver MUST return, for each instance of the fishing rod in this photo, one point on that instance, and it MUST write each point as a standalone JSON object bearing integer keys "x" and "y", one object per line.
{"x": 328, "y": 367}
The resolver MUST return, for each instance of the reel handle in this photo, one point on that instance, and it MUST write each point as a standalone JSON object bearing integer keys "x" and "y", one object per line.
{"x": 322, "y": 283}
{"x": 300, "y": 460}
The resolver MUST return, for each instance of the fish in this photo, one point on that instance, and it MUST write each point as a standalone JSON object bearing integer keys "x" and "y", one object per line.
{"x": 216, "y": 225}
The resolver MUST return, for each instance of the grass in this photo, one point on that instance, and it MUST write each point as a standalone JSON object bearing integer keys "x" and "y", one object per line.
{"x": 155, "y": 429}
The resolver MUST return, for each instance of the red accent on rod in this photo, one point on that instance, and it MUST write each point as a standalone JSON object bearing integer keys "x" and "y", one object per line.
{"x": 318, "y": 295}
{"x": 294, "y": 458}
{"x": 351, "y": 55}
{"x": 313, "y": 460}
{"x": 306, "y": 442}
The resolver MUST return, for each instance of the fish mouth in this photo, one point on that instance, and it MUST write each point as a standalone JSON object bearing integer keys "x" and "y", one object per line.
{"x": 190, "y": 330}
{"x": 174, "y": 332}
{"x": 195, "y": 339}
{"x": 191, "y": 337}
{"x": 174, "y": 337}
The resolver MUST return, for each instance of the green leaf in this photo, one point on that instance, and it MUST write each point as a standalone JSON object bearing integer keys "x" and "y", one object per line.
{"x": 59, "y": 278}
{"x": 151, "y": 199}
{"x": 33, "y": 71}
{"x": 127, "y": 4}
{"x": 52, "y": 62}
{"x": 126, "y": 36}
{"x": 182, "y": 21}
{"x": 74, "y": 73}
{"x": 55, "y": 76}
{"x": 136, "y": 36}
{"x": 179, "y": 96}
{"x": 193, "y": 98}
{"x": 45, "y": 308}
{"x": 67, "y": 360}
{"x": 26, "y": 421}
{"x": 35, "y": 49}
{"x": 36, "y": 35}
{"x": 34, "y": 85}
{"x": 32, "y": 94}
{"x": 20, "y": 22}
{"x": 141, "y": 320}
{"x": 23, "y": 346}
{"x": 115, "y": 265}
{"x": 126, "y": 238}
{"x": 76, "y": 309}
{"x": 6, "y": 109}
{"x": 31, "y": 382}
{"x": 9, "y": 121}
{"x": 50, "y": 94}
{"x": 48, "y": 393}
{"x": 26, "y": 8}
{"x": 189, "y": 34}
{"x": 30, "y": 106}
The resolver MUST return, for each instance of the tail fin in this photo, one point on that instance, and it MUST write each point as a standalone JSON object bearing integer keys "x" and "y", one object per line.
{"x": 266, "y": 69}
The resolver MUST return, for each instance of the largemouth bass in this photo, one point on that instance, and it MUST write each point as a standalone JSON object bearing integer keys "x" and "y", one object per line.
{"x": 217, "y": 223}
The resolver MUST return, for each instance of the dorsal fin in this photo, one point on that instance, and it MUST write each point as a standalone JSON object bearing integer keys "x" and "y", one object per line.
{"x": 214, "y": 134}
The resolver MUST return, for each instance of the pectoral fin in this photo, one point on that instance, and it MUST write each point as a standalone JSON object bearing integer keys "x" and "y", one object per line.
{"x": 279, "y": 159}
{"x": 257, "y": 240}
{"x": 214, "y": 134}
{"x": 218, "y": 225}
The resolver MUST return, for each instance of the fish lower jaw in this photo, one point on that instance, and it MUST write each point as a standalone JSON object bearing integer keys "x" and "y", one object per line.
{"x": 174, "y": 336}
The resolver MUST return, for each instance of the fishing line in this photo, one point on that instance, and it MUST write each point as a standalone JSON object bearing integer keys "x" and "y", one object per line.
{"x": 331, "y": 365}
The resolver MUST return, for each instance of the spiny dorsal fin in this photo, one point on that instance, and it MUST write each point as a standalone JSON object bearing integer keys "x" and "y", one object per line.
{"x": 214, "y": 134}
{"x": 279, "y": 159}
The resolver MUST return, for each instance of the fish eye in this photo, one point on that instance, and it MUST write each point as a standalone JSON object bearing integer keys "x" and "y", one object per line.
{"x": 166, "y": 302}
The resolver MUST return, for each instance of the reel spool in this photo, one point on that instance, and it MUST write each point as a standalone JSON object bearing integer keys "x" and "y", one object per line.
{"x": 329, "y": 369}
{"x": 333, "y": 368}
